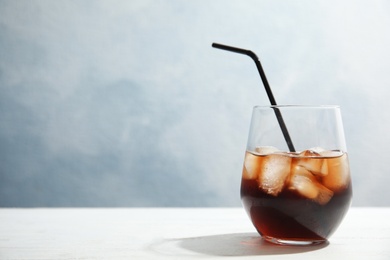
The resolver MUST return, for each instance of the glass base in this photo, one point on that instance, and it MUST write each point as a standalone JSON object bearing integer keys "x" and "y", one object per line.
{"x": 291, "y": 242}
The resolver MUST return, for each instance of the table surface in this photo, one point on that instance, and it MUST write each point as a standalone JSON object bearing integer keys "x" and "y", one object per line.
{"x": 175, "y": 233}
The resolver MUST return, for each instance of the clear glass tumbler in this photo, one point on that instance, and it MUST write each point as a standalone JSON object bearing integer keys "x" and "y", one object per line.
{"x": 296, "y": 185}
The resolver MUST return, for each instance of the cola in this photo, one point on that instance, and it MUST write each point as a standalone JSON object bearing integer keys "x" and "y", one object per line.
{"x": 300, "y": 196}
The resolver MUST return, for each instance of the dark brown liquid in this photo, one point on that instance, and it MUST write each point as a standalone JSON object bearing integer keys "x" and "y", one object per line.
{"x": 290, "y": 216}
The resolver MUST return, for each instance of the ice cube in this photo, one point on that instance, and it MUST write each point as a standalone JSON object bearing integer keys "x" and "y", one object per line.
{"x": 301, "y": 181}
{"x": 264, "y": 150}
{"x": 274, "y": 172}
{"x": 324, "y": 194}
{"x": 312, "y": 161}
{"x": 307, "y": 185}
{"x": 252, "y": 166}
{"x": 338, "y": 176}
{"x": 309, "y": 153}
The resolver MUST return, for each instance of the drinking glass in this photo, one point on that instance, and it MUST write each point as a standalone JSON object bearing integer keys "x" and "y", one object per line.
{"x": 296, "y": 185}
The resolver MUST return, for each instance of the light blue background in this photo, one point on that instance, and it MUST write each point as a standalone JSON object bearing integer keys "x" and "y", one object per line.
{"x": 125, "y": 103}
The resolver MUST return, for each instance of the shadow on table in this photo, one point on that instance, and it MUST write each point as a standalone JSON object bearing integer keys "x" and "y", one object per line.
{"x": 241, "y": 244}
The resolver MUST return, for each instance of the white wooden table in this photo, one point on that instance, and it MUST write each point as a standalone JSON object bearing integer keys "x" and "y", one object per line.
{"x": 175, "y": 233}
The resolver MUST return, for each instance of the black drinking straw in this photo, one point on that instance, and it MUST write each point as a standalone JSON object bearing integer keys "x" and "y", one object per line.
{"x": 266, "y": 86}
